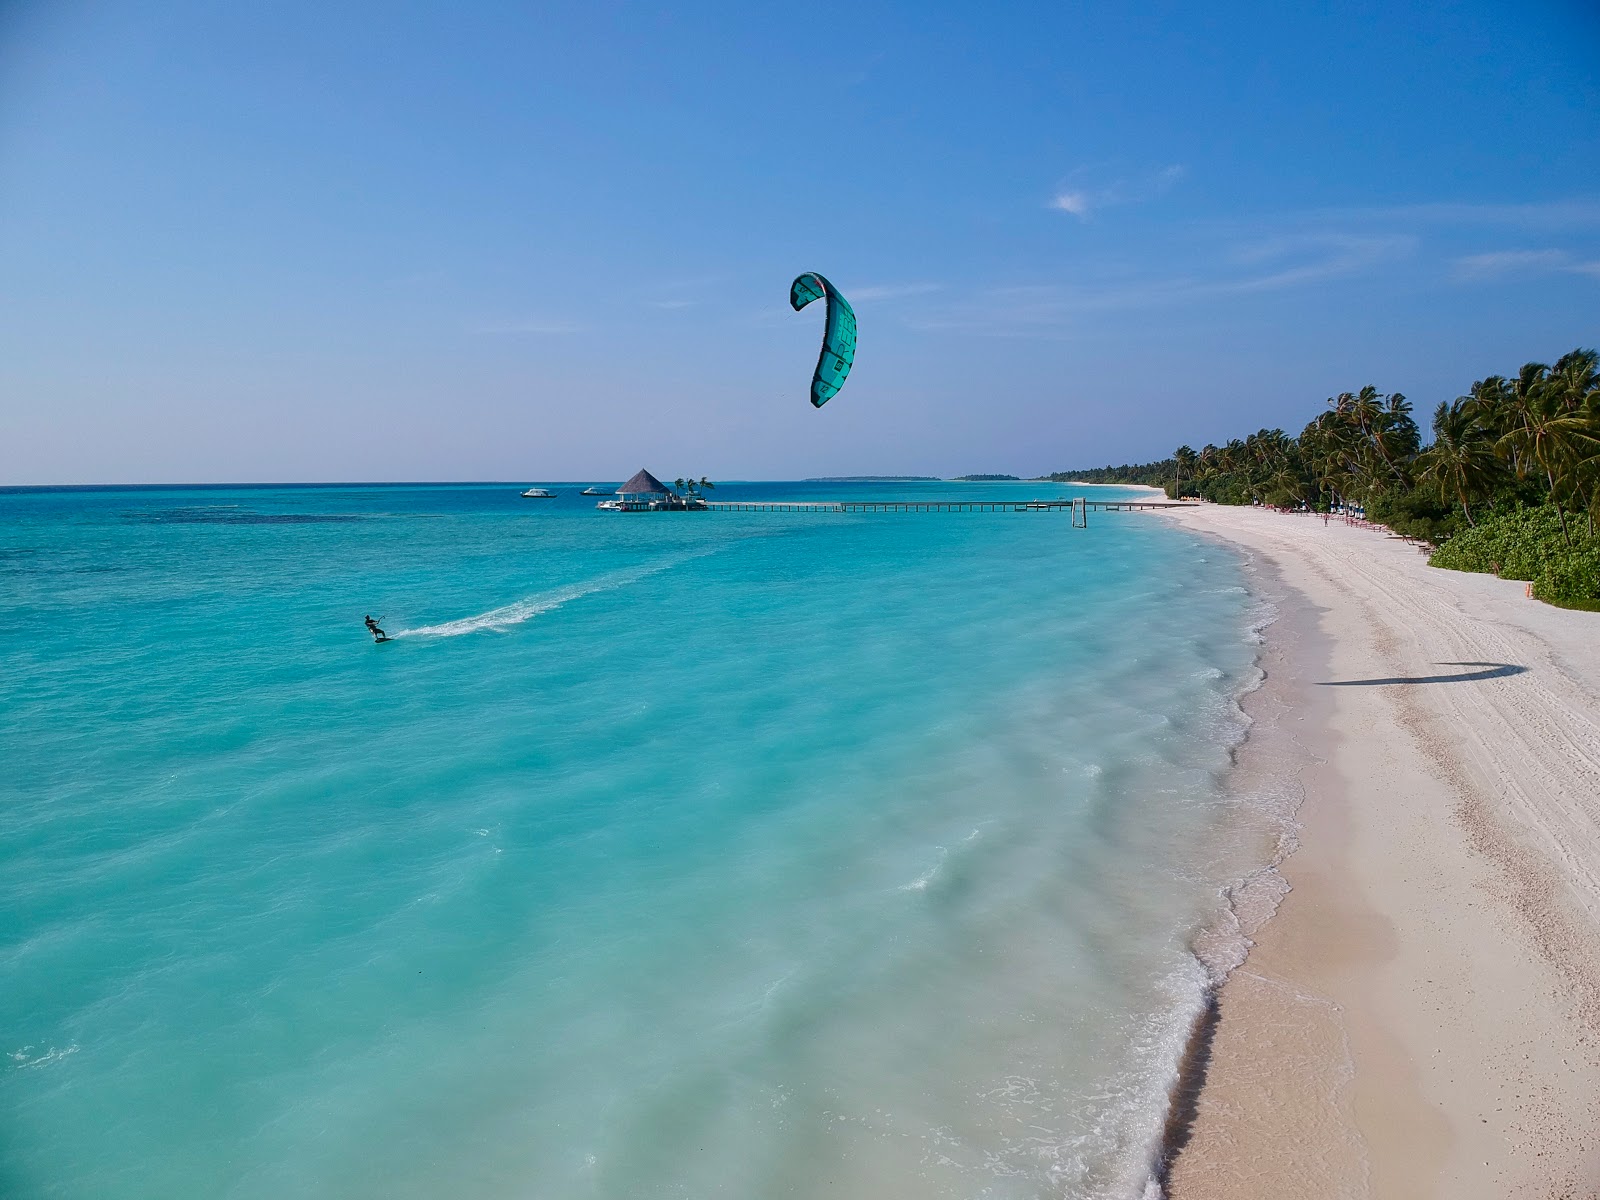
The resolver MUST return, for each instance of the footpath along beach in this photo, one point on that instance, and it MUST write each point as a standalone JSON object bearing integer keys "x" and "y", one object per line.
{"x": 1422, "y": 1016}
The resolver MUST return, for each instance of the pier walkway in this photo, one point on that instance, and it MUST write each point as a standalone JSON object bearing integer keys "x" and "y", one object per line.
{"x": 879, "y": 506}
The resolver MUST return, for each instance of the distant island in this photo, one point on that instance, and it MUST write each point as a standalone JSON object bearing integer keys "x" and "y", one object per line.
{"x": 982, "y": 478}
{"x": 872, "y": 479}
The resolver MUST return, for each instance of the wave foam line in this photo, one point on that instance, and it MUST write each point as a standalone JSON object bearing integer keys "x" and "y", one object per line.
{"x": 502, "y": 618}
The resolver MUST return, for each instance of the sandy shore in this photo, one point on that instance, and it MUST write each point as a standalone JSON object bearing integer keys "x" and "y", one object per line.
{"x": 1422, "y": 1016}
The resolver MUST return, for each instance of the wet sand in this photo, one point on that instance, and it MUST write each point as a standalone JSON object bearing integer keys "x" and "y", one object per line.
{"x": 1421, "y": 1018}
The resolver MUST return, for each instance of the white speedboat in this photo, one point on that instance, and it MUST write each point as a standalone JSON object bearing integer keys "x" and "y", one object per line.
{"x": 594, "y": 491}
{"x": 538, "y": 494}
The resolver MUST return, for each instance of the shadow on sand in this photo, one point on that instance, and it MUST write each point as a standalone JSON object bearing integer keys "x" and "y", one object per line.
{"x": 1489, "y": 671}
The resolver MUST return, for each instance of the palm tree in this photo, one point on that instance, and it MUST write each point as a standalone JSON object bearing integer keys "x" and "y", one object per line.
{"x": 1351, "y": 462}
{"x": 1287, "y": 483}
{"x": 690, "y": 487}
{"x": 1491, "y": 405}
{"x": 1384, "y": 432}
{"x": 1365, "y": 410}
{"x": 1576, "y": 380}
{"x": 1395, "y": 434}
{"x": 1324, "y": 447}
{"x": 1519, "y": 398}
{"x": 1462, "y": 458}
{"x": 1547, "y": 436}
{"x": 1574, "y": 386}
{"x": 1183, "y": 459}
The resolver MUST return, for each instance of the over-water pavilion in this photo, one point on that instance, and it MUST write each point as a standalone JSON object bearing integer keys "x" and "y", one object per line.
{"x": 645, "y": 493}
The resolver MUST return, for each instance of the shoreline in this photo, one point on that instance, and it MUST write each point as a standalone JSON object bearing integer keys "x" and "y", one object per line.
{"x": 1265, "y": 785}
{"x": 1135, "y": 487}
{"x": 1421, "y": 1016}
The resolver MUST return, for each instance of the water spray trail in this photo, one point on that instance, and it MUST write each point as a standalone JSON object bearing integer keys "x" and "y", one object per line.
{"x": 497, "y": 620}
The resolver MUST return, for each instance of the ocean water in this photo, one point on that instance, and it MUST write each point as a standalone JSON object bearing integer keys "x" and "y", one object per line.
{"x": 659, "y": 855}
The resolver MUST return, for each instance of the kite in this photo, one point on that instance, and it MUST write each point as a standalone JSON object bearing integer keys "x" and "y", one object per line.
{"x": 838, "y": 336}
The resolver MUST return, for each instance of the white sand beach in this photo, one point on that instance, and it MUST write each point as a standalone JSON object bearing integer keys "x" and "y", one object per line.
{"x": 1422, "y": 1016}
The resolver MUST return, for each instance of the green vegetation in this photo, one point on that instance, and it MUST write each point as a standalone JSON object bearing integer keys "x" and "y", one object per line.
{"x": 1149, "y": 474}
{"x": 1510, "y": 483}
{"x": 1530, "y": 543}
{"x": 982, "y": 478}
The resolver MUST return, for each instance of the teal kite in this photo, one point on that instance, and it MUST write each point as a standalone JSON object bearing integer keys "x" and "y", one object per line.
{"x": 838, "y": 336}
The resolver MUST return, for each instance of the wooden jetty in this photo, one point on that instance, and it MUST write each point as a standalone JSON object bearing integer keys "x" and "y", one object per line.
{"x": 1078, "y": 508}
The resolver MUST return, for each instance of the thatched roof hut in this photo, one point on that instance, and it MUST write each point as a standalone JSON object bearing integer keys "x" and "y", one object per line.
{"x": 643, "y": 484}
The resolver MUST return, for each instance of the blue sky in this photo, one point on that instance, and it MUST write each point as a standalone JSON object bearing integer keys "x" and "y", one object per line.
{"x": 287, "y": 241}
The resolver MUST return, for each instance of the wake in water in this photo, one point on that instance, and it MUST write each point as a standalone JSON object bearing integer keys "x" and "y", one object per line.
{"x": 496, "y": 620}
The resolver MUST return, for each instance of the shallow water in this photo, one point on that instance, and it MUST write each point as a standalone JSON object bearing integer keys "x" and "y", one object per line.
{"x": 659, "y": 855}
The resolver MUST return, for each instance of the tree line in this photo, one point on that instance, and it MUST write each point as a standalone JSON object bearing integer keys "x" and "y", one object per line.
{"x": 1532, "y": 438}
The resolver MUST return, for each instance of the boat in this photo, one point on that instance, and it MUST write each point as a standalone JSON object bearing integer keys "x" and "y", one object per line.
{"x": 539, "y": 494}
{"x": 594, "y": 491}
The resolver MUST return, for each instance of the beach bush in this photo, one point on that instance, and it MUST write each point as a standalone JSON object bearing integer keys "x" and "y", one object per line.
{"x": 1572, "y": 579}
{"x": 1527, "y": 543}
{"x": 1416, "y": 513}
{"x": 1510, "y": 545}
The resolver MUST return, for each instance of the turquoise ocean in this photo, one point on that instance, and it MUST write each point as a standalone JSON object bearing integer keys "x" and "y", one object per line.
{"x": 723, "y": 855}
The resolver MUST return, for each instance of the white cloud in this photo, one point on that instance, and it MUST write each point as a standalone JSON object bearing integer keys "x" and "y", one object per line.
{"x": 1267, "y": 265}
{"x": 1579, "y": 213}
{"x": 1081, "y": 201}
{"x": 1219, "y": 260}
{"x": 1076, "y": 203}
{"x": 1498, "y": 263}
{"x": 1311, "y": 258}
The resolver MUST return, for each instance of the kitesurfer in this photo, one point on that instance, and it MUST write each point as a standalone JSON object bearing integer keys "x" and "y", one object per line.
{"x": 378, "y": 635}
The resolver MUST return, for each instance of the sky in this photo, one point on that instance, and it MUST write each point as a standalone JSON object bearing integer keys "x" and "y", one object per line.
{"x": 287, "y": 241}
